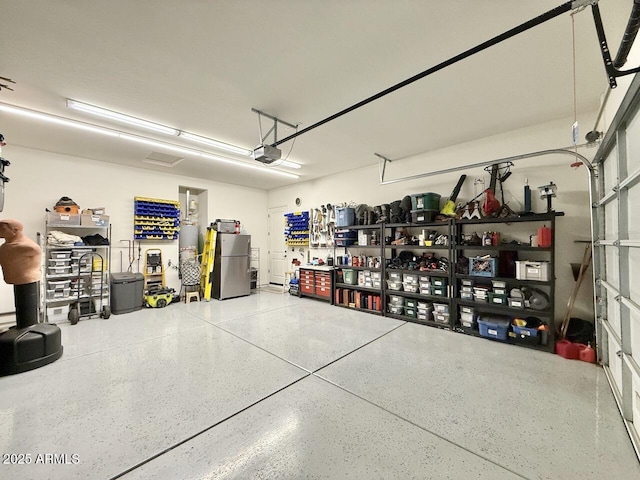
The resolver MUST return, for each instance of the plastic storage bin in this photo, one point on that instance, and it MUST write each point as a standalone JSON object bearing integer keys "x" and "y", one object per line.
{"x": 528, "y": 270}
{"x": 410, "y": 287}
{"x": 57, "y": 314}
{"x": 494, "y": 327}
{"x": 396, "y": 300}
{"x": 395, "y": 276}
{"x": 482, "y": 267}
{"x": 441, "y": 317}
{"x": 396, "y": 309}
{"x": 394, "y": 285}
{"x": 345, "y": 216}
{"x": 350, "y": 277}
{"x": 425, "y": 201}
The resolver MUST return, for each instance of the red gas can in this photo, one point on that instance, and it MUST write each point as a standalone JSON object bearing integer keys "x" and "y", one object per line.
{"x": 587, "y": 354}
{"x": 567, "y": 349}
{"x": 544, "y": 237}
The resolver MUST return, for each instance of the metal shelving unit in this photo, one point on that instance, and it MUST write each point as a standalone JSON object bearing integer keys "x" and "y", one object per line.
{"x": 70, "y": 282}
{"x": 547, "y": 315}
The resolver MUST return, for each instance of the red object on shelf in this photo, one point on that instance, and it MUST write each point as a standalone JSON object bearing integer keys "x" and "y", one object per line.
{"x": 567, "y": 349}
{"x": 544, "y": 237}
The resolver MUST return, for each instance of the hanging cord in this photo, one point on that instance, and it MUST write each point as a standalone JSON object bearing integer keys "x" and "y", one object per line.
{"x": 577, "y": 162}
{"x": 292, "y": 144}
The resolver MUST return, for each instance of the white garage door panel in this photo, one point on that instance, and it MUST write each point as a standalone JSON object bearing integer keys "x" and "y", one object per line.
{"x": 615, "y": 364}
{"x": 633, "y": 220}
{"x": 612, "y": 267}
{"x": 635, "y": 409}
{"x": 634, "y": 275}
{"x": 611, "y": 170}
{"x": 633, "y": 145}
{"x": 635, "y": 335}
{"x": 611, "y": 220}
{"x": 613, "y": 313}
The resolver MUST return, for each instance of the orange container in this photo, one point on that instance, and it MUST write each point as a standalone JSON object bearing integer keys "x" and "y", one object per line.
{"x": 544, "y": 237}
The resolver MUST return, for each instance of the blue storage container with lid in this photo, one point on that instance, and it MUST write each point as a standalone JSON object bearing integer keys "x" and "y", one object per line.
{"x": 495, "y": 327}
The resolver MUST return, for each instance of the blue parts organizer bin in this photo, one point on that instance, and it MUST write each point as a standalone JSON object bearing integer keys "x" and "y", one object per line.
{"x": 494, "y": 327}
{"x": 297, "y": 228}
{"x": 156, "y": 219}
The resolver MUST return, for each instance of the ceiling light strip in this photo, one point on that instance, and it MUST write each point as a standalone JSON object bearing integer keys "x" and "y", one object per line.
{"x": 25, "y": 112}
{"x": 215, "y": 143}
{"x": 121, "y": 117}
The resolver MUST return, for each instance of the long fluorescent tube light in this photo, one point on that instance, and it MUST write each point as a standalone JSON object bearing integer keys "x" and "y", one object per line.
{"x": 285, "y": 163}
{"x": 252, "y": 166}
{"x": 121, "y": 117}
{"x": 47, "y": 117}
{"x": 25, "y": 112}
{"x": 215, "y": 143}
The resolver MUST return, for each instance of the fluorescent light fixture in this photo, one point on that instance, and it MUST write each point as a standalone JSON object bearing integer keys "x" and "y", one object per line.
{"x": 121, "y": 117}
{"x": 285, "y": 163}
{"x": 215, "y": 143}
{"x": 25, "y": 112}
{"x": 155, "y": 143}
{"x": 252, "y": 166}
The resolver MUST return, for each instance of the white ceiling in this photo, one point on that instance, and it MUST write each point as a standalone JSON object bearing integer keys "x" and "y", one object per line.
{"x": 201, "y": 65}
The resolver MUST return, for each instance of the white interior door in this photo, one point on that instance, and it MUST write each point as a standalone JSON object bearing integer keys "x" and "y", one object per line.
{"x": 277, "y": 245}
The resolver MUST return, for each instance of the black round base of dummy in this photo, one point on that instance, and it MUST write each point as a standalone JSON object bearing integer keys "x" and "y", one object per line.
{"x": 23, "y": 349}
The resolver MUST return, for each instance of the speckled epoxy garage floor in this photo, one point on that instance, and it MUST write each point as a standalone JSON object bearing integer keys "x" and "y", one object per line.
{"x": 273, "y": 386}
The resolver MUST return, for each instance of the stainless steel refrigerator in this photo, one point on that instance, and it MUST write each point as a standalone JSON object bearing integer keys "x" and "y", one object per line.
{"x": 232, "y": 266}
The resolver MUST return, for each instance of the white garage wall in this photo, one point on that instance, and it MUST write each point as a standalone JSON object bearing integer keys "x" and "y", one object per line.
{"x": 39, "y": 179}
{"x": 362, "y": 186}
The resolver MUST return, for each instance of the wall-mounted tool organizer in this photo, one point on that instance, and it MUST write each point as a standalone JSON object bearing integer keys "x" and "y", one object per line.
{"x": 296, "y": 228}
{"x": 156, "y": 219}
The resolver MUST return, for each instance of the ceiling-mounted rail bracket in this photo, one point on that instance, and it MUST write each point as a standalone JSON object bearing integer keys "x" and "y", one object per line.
{"x": 274, "y": 128}
{"x": 382, "y": 165}
{"x": 612, "y": 71}
{"x": 579, "y": 4}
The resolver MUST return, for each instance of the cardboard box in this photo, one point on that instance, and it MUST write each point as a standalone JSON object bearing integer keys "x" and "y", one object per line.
{"x": 94, "y": 220}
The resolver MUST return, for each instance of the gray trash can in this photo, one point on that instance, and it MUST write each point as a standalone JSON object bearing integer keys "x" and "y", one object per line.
{"x": 126, "y": 292}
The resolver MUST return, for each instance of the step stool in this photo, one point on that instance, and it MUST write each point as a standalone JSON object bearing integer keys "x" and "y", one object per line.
{"x": 190, "y": 295}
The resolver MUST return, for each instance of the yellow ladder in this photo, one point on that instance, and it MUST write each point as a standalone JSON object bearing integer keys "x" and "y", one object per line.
{"x": 206, "y": 267}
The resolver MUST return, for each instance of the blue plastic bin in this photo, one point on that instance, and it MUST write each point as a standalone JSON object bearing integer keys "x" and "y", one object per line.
{"x": 496, "y": 328}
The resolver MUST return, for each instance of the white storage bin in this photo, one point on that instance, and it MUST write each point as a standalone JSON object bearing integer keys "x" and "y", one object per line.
{"x": 60, "y": 293}
{"x": 395, "y": 276}
{"x": 410, "y": 287}
{"x": 396, "y": 300}
{"x": 57, "y": 284}
{"x": 410, "y": 278}
{"x": 60, "y": 254}
{"x": 57, "y": 314}
{"x": 59, "y": 262}
{"x": 528, "y": 270}
{"x": 441, "y": 317}
{"x": 441, "y": 308}
{"x": 394, "y": 285}
{"x": 59, "y": 270}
